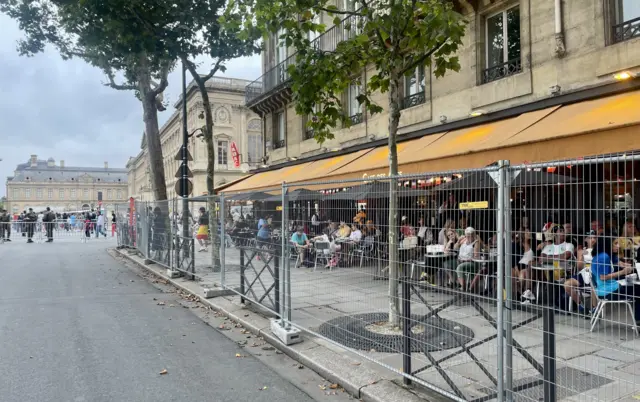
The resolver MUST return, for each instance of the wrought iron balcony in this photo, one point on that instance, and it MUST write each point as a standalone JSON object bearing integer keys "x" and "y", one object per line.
{"x": 626, "y": 30}
{"x": 309, "y": 133}
{"x": 277, "y": 144}
{"x": 356, "y": 118}
{"x": 277, "y": 78}
{"x": 413, "y": 100}
{"x": 500, "y": 71}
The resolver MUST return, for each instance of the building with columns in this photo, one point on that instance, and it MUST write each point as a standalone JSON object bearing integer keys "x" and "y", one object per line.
{"x": 41, "y": 183}
{"x": 233, "y": 124}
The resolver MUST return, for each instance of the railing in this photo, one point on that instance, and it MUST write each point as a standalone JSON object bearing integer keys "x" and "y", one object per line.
{"x": 356, "y": 118}
{"x": 309, "y": 134}
{"x": 413, "y": 100}
{"x": 500, "y": 71}
{"x": 626, "y": 30}
{"x": 327, "y": 42}
{"x": 278, "y": 144}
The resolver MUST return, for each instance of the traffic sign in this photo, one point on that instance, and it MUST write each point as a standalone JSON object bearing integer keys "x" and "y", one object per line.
{"x": 179, "y": 155}
{"x": 179, "y": 172}
{"x": 179, "y": 188}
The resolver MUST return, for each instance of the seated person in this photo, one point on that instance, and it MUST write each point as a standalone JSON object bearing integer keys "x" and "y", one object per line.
{"x": 468, "y": 248}
{"x": 425, "y": 234}
{"x": 406, "y": 230}
{"x": 582, "y": 276}
{"x": 331, "y": 230}
{"x": 558, "y": 252}
{"x": 369, "y": 229}
{"x": 344, "y": 232}
{"x": 299, "y": 238}
{"x": 606, "y": 275}
{"x": 360, "y": 216}
{"x": 355, "y": 235}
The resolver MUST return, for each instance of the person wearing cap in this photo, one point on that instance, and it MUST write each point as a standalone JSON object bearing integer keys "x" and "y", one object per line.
{"x": 468, "y": 248}
{"x": 203, "y": 229}
{"x": 30, "y": 220}
{"x": 582, "y": 278}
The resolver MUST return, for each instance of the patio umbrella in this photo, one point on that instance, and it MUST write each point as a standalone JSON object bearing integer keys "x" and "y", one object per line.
{"x": 250, "y": 196}
{"x": 375, "y": 190}
{"x": 483, "y": 180}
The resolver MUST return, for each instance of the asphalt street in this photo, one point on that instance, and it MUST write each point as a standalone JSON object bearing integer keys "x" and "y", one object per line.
{"x": 76, "y": 325}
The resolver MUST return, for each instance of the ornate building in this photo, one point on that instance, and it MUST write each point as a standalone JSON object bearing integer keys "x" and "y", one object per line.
{"x": 39, "y": 184}
{"x": 234, "y": 125}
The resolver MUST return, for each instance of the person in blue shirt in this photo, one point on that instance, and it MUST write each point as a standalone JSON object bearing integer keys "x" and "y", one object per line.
{"x": 264, "y": 231}
{"x": 300, "y": 239}
{"x": 607, "y": 270}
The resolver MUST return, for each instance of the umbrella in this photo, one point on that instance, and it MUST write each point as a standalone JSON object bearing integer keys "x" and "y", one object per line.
{"x": 300, "y": 194}
{"x": 375, "y": 190}
{"x": 483, "y": 180}
{"x": 250, "y": 196}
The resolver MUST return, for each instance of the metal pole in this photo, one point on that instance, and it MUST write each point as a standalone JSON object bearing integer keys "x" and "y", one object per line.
{"x": 507, "y": 270}
{"x": 500, "y": 284}
{"x": 549, "y": 352}
{"x": 285, "y": 258}
{"x": 223, "y": 240}
{"x": 183, "y": 168}
{"x": 406, "y": 329}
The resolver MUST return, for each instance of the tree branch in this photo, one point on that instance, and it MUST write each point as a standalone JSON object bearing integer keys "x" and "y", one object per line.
{"x": 119, "y": 87}
{"x": 343, "y": 12}
{"x": 412, "y": 65}
{"x": 213, "y": 71}
{"x": 164, "y": 82}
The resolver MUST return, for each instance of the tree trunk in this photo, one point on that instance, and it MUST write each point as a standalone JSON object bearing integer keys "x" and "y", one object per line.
{"x": 152, "y": 132}
{"x": 394, "y": 120}
{"x": 211, "y": 158}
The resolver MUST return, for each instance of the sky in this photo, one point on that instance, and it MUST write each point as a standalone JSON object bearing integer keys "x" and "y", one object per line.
{"x": 61, "y": 109}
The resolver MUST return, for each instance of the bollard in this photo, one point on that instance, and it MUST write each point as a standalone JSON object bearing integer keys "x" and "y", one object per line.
{"x": 242, "y": 275}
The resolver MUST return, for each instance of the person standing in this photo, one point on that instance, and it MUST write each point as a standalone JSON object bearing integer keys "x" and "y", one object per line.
{"x": 113, "y": 223}
{"x": 5, "y": 225}
{"x": 203, "y": 229}
{"x": 100, "y": 225}
{"x": 49, "y": 218}
{"x": 30, "y": 220}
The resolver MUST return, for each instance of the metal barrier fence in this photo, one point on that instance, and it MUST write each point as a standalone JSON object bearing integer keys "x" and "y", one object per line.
{"x": 38, "y": 229}
{"x": 503, "y": 283}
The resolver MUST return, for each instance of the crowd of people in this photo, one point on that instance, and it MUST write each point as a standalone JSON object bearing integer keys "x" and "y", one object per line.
{"x": 28, "y": 223}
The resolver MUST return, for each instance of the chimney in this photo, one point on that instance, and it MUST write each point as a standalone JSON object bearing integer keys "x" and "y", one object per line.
{"x": 106, "y": 165}
{"x": 34, "y": 160}
{"x": 61, "y": 163}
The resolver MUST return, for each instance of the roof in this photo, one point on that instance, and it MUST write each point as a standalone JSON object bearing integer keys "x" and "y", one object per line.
{"x": 42, "y": 172}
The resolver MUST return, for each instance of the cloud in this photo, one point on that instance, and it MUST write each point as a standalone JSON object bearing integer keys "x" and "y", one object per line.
{"x": 61, "y": 109}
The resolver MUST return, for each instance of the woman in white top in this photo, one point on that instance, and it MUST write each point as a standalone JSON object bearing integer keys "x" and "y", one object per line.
{"x": 425, "y": 235}
{"x": 468, "y": 248}
{"x": 442, "y": 235}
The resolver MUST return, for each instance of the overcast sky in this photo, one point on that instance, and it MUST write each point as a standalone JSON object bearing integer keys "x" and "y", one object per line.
{"x": 60, "y": 109}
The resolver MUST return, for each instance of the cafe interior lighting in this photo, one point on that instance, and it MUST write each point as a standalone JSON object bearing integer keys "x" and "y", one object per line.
{"x": 623, "y": 75}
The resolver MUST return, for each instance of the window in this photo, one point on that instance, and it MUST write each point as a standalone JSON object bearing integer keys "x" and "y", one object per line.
{"x": 414, "y": 88}
{"x": 279, "y": 130}
{"x": 27, "y": 193}
{"x": 16, "y": 193}
{"x": 503, "y": 45}
{"x": 119, "y": 194}
{"x": 85, "y": 193}
{"x": 39, "y": 193}
{"x": 223, "y": 147}
{"x": 254, "y": 148}
{"x": 351, "y": 24}
{"x": 73, "y": 195}
{"x": 625, "y": 19}
{"x": 61, "y": 194}
{"x": 353, "y": 107}
{"x": 313, "y": 35}
{"x": 109, "y": 195}
{"x": 308, "y": 131}
{"x": 50, "y": 193}
{"x": 281, "y": 56}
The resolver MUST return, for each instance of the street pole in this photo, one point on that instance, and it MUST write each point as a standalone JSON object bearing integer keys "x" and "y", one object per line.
{"x": 185, "y": 178}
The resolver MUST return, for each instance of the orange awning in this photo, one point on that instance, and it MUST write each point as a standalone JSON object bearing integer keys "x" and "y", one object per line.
{"x": 325, "y": 167}
{"x": 266, "y": 180}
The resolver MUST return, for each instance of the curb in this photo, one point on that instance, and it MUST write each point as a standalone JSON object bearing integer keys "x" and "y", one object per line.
{"x": 360, "y": 382}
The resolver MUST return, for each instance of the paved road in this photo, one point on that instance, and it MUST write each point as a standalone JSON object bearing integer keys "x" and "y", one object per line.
{"x": 77, "y": 326}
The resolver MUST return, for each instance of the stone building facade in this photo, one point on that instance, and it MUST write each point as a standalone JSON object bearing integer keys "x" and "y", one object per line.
{"x": 514, "y": 53}
{"x": 233, "y": 124}
{"x": 41, "y": 183}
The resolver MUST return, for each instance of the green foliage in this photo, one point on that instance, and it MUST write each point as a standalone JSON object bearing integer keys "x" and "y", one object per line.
{"x": 388, "y": 39}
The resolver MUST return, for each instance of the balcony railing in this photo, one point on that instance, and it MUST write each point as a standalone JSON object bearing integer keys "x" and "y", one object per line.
{"x": 278, "y": 76}
{"x": 309, "y": 133}
{"x": 356, "y": 118}
{"x": 626, "y": 30}
{"x": 413, "y": 100}
{"x": 277, "y": 144}
{"x": 500, "y": 71}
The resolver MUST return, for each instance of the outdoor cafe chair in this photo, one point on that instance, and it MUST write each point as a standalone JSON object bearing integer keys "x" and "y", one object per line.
{"x": 323, "y": 253}
{"x": 366, "y": 249}
{"x": 602, "y": 303}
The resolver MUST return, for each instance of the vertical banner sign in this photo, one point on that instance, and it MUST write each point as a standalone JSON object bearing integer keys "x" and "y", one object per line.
{"x": 235, "y": 155}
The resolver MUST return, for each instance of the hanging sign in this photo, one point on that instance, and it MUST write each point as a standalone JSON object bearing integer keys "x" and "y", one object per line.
{"x": 474, "y": 205}
{"x": 235, "y": 155}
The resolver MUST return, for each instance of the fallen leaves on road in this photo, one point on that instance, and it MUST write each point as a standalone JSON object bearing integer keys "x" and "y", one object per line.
{"x": 161, "y": 303}
{"x": 356, "y": 363}
{"x": 245, "y": 331}
{"x": 164, "y": 371}
{"x": 333, "y": 386}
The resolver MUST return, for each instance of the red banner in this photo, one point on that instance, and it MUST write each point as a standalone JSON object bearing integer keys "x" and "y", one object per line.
{"x": 235, "y": 155}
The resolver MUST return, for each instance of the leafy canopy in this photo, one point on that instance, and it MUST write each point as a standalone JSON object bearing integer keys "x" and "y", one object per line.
{"x": 392, "y": 36}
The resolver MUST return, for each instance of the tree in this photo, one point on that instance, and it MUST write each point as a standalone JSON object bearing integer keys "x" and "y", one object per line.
{"x": 394, "y": 37}
{"x": 110, "y": 35}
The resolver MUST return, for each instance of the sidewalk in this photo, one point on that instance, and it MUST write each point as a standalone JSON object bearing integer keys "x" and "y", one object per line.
{"x": 355, "y": 374}
{"x": 602, "y": 364}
